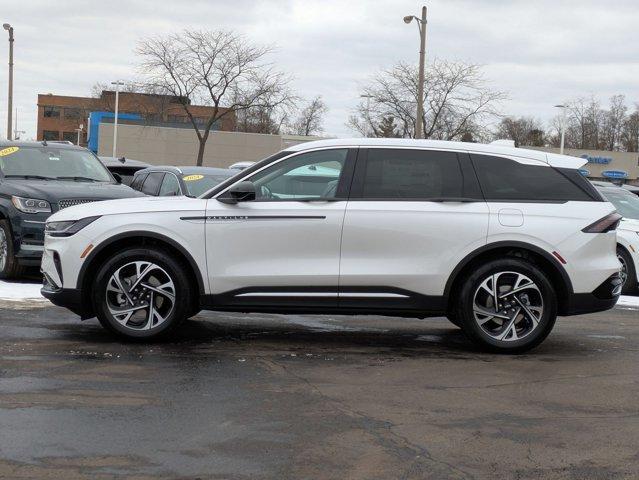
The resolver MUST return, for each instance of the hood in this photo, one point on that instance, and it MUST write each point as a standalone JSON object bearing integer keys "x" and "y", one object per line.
{"x": 130, "y": 205}
{"x": 55, "y": 190}
{"x": 631, "y": 224}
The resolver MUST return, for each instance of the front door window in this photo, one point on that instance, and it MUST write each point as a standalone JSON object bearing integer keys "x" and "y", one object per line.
{"x": 309, "y": 176}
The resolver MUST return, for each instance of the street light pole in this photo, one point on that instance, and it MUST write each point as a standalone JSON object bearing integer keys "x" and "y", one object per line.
{"x": 563, "y": 127}
{"x": 9, "y": 28}
{"x": 421, "y": 24}
{"x": 80, "y": 129}
{"x": 115, "y": 120}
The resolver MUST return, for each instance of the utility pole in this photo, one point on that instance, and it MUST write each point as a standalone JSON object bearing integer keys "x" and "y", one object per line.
{"x": 421, "y": 24}
{"x": 9, "y": 28}
{"x": 115, "y": 119}
{"x": 563, "y": 127}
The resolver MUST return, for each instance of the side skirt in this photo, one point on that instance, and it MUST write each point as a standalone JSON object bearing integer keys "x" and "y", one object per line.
{"x": 327, "y": 300}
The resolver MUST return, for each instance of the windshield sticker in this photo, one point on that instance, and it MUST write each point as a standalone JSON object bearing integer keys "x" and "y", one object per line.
{"x": 8, "y": 151}
{"x": 53, "y": 158}
{"x": 191, "y": 178}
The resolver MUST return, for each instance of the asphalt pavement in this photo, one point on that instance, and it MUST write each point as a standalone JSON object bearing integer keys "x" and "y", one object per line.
{"x": 234, "y": 396}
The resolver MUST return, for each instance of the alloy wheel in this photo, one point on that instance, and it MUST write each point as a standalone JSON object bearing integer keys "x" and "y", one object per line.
{"x": 508, "y": 306}
{"x": 140, "y": 295}
{"x": 4, "y": 250}
{"x": 624, "y": 270}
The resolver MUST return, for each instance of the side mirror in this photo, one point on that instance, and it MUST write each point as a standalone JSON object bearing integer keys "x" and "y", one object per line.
{"x": 118, "y": 177}
{"x": 242, "y": 192}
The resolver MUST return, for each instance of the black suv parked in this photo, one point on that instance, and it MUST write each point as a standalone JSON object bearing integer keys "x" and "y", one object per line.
{"x": 37, "y": 179}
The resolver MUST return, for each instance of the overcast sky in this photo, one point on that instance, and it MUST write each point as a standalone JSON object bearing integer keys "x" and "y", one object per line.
{"x": 540, "y": 52}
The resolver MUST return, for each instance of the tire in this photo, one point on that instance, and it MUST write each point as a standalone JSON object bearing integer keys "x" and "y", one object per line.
{"x": 453, "y": 319}
{"x": 161, "y": 282}
{"x": 510, "y": 329}
{"x": 628, "y": 272}
{"x": 9, "y": 267}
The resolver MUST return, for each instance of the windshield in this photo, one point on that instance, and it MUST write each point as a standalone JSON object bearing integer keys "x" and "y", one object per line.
{"x": 626, "y": 203}
{"x": 51, "y": 163}
{"x": 196, "y": 185}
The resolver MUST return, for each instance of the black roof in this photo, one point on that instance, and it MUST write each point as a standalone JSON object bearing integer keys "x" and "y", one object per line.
{"x": 123, "y": 162}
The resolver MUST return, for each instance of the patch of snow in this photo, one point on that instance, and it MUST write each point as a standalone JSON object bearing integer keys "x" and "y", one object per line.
{"x": 429, "y": 338}
{"x": 627, "y": 301}
{"x": 615, "y": 337}
{"x": 20, "y": 291}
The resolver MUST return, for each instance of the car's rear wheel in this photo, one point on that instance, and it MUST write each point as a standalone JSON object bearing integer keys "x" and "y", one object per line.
{"x": 9, "y": 266}
{"x": 627, "y": 273}
{"x": 142, "y": 293}
{"x": 507, "y": 305}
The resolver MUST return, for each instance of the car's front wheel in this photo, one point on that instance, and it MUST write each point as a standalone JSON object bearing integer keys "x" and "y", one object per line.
{"x": 141, "y": 293}
{"x": 507, "y": 305}
{"x": 9, "y": 266}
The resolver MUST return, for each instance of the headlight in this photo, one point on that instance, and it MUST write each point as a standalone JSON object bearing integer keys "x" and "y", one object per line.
{"x": 68, "y": 227}
{"x": 31, "y": 205}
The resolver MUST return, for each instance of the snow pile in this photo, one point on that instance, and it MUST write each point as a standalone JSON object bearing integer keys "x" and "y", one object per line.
{"x": 20, "y": 291}
{"x": 627, "y": 301}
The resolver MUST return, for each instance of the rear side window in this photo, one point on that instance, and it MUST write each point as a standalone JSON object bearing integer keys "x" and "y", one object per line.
{"x": 508, "y": 180}
{"x": 152, "y": 183}
{"x": 138, "y": 180}
{"x": 412, "y": 175}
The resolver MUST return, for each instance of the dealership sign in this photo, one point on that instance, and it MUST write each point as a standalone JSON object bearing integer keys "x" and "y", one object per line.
{"x": 584, "y": 171}
{"x": 595, "y": 159}
{"x": 614, "y": 174}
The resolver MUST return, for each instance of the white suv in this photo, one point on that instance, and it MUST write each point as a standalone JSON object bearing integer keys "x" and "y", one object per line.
{"x": 499, "y": 239}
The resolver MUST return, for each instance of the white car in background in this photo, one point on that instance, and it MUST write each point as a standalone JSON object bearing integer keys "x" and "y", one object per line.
{"x": 627, "y": 204}
{"x": 241, "y": 165}
{"x": 501, "y": 240}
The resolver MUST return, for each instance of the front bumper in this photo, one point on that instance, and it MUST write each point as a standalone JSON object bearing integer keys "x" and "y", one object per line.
{"x": 28, "y": 237}
{"x": 604, "y": 297}
{"x": 70, "y": 298}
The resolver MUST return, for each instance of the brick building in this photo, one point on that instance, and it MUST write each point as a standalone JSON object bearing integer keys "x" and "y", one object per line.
{"x": 60, "y": 117}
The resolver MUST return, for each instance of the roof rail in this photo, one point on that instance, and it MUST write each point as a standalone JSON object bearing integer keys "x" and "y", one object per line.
{"x": 503, "y": 143}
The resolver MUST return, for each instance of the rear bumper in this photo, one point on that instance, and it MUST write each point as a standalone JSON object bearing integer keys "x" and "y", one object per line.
{"x": 604, "y": 297}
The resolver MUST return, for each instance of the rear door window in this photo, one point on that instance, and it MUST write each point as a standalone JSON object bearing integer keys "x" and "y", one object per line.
{"x": 138, "y": 180}
{"x": 405, "y": 174}
{"x": 152, "y": 183}
{"x": 502, "y": 179}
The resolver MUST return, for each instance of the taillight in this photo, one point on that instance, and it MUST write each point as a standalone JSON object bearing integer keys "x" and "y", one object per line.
{"x": 603, "y": 225}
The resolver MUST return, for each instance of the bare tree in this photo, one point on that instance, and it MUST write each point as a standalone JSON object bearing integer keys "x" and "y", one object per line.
{"x": 589, "y": 126}
{"x": 268, "y": 117}
{"x": 458, "y": 101}
{"x": 613, "y": 123}
{"x": 215, "y": 68}
{"x": 630, "y": 132}
{"x": 311, "y": 118}
{"x": 523, "y": 130}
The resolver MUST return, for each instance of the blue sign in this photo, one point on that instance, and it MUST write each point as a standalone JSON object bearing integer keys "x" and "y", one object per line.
{"x": 614, "y": 174}
{"x": 598, "y": 160}
{"x": 584, "y": 171}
